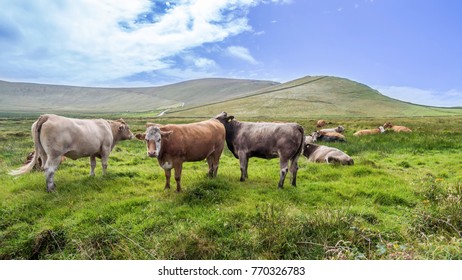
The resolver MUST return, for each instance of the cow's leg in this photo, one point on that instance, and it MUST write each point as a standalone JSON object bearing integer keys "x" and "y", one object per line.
{"x": 50, "y": 168}
{"x": 178, "y": 168}
{"x": 213, "y": 165}
{"x": 283, "y": 165}
{"x": 92, "y": 165}
{"x": 104, "y": 160}
{"x": 293, "y": 170}
{"x": 42, "y": 159}
{"x": 244, "y": 163}
{"x": 216, "y": 162}
{"x": 168, "y": 174}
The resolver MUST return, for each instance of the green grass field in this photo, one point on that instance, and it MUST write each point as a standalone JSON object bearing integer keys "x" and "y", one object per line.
{"x": 401, "y": 200}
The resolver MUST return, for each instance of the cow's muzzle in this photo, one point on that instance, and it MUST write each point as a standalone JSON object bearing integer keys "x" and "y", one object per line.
{"x": 152, "y": 153}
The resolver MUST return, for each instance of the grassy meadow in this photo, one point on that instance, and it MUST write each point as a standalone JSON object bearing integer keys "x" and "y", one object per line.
{"x": 401, "y": 200}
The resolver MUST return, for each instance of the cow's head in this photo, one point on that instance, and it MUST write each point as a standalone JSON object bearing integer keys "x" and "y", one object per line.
{"x": 224, "y": 118}
{"x": 309, "y": 148}
{"x": 153, "y": 138}
{"x": 312, "y": 138}
{"x": 387, "y": 125}
{"x": 122, "y": 130}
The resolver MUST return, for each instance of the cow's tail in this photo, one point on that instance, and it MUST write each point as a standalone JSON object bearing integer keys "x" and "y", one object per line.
{"x": 36, "y": 128}
{"x": 302, "y": 142}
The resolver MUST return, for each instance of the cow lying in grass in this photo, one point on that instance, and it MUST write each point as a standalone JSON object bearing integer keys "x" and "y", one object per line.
{"x": 324, "y": 136}
{"x": 338, "y": 129}
{"x": 377, "y": 130}
{"x": 38, "y": 162}
{"x": 329, "y": 136}
{"x": 311, "y": 139}
{"x": 320, "y": 123}
{"x": 396, "y": 128}
{"x": 324, "y": 154}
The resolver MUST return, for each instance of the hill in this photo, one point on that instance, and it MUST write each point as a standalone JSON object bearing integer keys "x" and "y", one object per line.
{"x": 317, "y": 96}
{"x": 28, "y": 97}
{"x": 320, "y": 96}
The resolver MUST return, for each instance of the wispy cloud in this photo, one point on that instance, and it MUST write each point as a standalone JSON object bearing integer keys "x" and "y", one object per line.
{"x": 241, "y": 53}
{"x": 450, "y": 98}
{"x": 92, "y": 42}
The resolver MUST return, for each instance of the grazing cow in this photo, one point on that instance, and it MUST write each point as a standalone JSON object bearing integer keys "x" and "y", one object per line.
{"x": 377, "y": 130}
{"x": 330, "y": 136}
{"x": 55, "y": 136}
{"x": 320, "y": 123}
{"x": 175, "y": 144}
{"x": 324, "y": 154}
{"x": 397, "y": 128}
{"x": 264, "y": 140}
{"x": 338, "y": 129}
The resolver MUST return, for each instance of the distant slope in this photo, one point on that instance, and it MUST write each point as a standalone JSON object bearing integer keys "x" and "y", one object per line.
{"x": 320, "y": 96}
{"x": 308, "y": 97}
{"x": 28, "y": 97}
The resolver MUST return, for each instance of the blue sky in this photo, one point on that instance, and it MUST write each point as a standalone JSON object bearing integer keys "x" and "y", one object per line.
{"x": 408, "y": 49}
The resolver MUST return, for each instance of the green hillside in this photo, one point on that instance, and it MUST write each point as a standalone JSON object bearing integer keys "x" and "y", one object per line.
{"x": 27, "y": 97}
{"x": 319, "y": 96}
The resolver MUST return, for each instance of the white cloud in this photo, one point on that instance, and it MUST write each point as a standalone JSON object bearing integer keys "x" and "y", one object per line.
{"x": 241, "y": 53}
{"x": 90, "y": 42}
{"x": 450, "y": 98}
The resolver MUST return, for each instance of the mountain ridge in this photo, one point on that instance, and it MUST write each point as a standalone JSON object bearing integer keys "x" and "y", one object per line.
{"x": 310, "y": 95}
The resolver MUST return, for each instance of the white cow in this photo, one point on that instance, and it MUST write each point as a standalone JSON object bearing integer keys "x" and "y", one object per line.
{"x": 324, "y": 154}
{"x": 55, "y": 136}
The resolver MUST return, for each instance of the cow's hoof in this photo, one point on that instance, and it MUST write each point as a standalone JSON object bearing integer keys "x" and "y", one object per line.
{"x": 52, "y": 189}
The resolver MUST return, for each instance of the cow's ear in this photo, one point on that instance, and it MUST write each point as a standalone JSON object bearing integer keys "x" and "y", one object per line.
{"x": 120, "y": 120}
{"x": 140, "y": 136}
{"x": 230, "y": 118}
{"x": 166, "y": 133}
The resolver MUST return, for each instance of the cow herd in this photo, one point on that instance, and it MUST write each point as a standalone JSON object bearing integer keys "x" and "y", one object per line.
{"x": 56, "y": 137}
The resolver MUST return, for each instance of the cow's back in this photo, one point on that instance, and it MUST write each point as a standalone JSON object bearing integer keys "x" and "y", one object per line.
{"x": 194, "y": 141}
{"x": 325, "y": 153}
{"x": 74, "y": 138}
{"x": 266, "y": 140}
{"x": 319, "y": 154}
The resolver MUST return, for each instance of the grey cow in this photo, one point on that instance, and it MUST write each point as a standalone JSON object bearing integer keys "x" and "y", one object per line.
{"x": 264, "y": 140}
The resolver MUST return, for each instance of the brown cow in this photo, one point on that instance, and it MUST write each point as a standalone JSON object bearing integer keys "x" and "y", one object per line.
{"x": 329, "y": 136}
{"x": 377, "y": 130}
{"x": 38, "y": 162}
{"x": 324, "y": 154}
{"x": 264, "y": 140}
{"x": 397, "y": 128}
{"x": 55, "y": 136}
{"x": 320, "y": 123}
{"x": 174, "y": 144}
